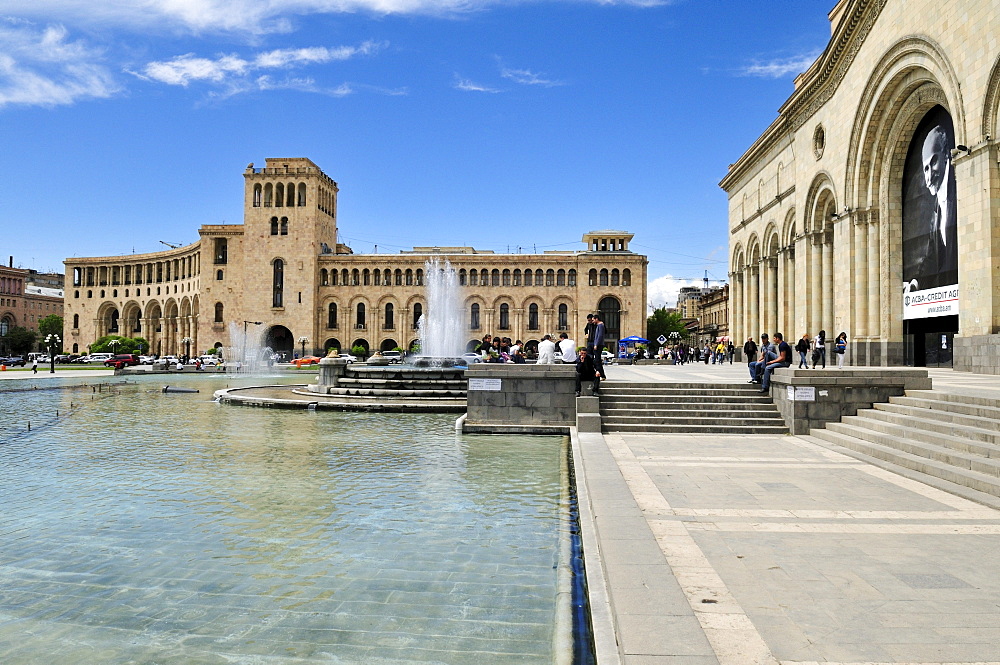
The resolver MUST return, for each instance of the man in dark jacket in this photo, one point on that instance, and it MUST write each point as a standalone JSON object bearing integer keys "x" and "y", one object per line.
{"x": 750, "y": 350}
{"x": 586, "y": 370}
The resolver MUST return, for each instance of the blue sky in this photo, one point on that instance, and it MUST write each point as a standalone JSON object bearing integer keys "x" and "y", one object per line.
{"x": 492, "y": 124}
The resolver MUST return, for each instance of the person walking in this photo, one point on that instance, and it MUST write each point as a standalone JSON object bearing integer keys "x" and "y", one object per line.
{"x": 840, "y": 348}
{"x": 802, "y": 346}
{"x": 34, "y": 365}
{"x": 731, "y": 351}
{"x": 819, "y": 349}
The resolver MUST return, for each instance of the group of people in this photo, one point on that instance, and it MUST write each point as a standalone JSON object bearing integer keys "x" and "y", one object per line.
{"x": 716, "y": 353}
{"x": 769, "y": 356}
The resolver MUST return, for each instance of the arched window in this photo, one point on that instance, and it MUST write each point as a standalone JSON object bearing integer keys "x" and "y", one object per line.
{"x": 592, "y": 277}
{"x": 366, "y": 277}
{"x": 473, "y": 277}
{"x": 387, "y": 277}
{"x": 284, "y": 226}
{"x": 219, "y": 312}
{"x": 324, "y": 277}
{"x": 495, "y": 277}
{"x": 539, "y": 276}
{"x": 504, "y": 316}
{"x": 302, "y": 193}
{"x": 550, "y": 277}
{"x": 278, "y": 291}
{"x": 463, "y": 277}
{"x": 409, "y": 277}
{"x": 420, "y": 277}
{"x": 626, "y": 277}
{"x": 532, "y": 316}
{"x": 377, "y": 277}
{"x": 561, "y": 277}
{"x": 268, "y": 195}
{"x": 274, "y": 226}
{"x": 257, "y": 192}
{"x": 291, "y": 195}
{"x": 571, "y": 278}
{"x": 76, "y": 320}
{"x": 610, "y": 309}
{"x": 517, "y": 277}
{"x": 279, "y": 195}
{"x": 528, "y": 277}
{"x": 359, "y": 319}
{"x": 355, "y": 277}
{"x": 399, "y": 277}
{"x": 505, "y": 277}
{"x": 331, "y": 315}
{"x": 474, "y": 317}
{"x": 418, "y": 311}
{"x": 344, "y": 279}
{"x": 614, "y": 277}
{"x": 604, "y": 277}
{"x": 390, "y": 319}
{"x": 113, "y": 327}
{"x": 563, "y": 317}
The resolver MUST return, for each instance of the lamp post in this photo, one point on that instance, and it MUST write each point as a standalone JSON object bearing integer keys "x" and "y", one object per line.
{"x": 302, "y": 341}
{"x": 186, "y": 341}
{"x": 52, "y": 341}
{"x": 114, "y": 344}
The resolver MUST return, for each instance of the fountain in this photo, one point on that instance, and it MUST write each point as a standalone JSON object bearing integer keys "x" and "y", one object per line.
{"x": 433, "y": 380}
{"x": 246, "y": 355}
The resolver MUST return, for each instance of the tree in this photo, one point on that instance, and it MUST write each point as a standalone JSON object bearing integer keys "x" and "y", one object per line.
{"x": 663, "y": 322}
{"x": 20, "y": 340}
{"x": 358, "y": 351}
{"x": 124, "y": 345}
{"x": 51, "y": 325}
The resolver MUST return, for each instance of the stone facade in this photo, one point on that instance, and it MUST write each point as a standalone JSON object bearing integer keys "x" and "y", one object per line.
{"x": 284, "y": 269}
{"x": 26, "y": 297}
{"x": 817, "y": 205}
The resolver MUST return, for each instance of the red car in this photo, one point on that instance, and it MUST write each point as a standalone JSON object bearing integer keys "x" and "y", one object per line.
{"x": 122, "y": 360}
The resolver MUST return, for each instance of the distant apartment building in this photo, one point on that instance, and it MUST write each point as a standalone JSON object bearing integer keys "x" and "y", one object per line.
{"x": 26, "y": 297}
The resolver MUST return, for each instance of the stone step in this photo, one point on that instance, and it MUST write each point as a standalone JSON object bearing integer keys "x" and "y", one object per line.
{"x": 650, "y": 420}
{"x": 639, "y": 402}
{"x": 690, "y": 428}
{"x": 944, "y": 422}
{"x": 876, "y": 422}
{"x": 914, "y": 442}
{"x": 736, "y": 389}
{"x": 380, "y": 392}
{"x": 719, "y": 411}
{"x": 955, "y": 398}
{"x": 945, "y": 406}
{"x": 981, "y": 482}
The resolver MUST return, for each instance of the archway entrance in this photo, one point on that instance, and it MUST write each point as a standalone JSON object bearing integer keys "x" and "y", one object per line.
{"x": 388, "y": 345}
{"x": 333, "y": 343}
{"x": 610, "y": 309}
{"x": 280, "y": 339}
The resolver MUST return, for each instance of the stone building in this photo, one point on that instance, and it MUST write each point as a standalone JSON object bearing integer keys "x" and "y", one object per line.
{"x": 26, "y": 297}
{"x": 713, "y": 314}
{"x": 871, "y": 205}
{"x": 283, "y": 274}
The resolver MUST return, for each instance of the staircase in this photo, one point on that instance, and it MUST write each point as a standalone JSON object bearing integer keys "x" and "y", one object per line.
{"x": 692, "y": 408}
{"x": 951, "y": 437}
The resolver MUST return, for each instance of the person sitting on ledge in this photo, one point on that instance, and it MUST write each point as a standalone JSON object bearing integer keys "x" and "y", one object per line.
{"x": 784, "y": 359}
{"x": 586, "y": 370}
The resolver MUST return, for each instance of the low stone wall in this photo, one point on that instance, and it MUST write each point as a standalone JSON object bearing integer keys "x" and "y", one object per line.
{"x": 521, "y": 398}
{"x": 977, "y": 353}
{"x": 808, "y": 398}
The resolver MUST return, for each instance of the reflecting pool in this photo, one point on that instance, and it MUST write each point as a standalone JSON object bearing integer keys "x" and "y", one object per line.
{"x": 143, "y": 527}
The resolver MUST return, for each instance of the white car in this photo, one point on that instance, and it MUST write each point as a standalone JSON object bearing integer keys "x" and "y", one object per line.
{"x": 167, "y": 360}
{"x": 472, "y": 358}
{"x": 97, "y": 358}
{"x": 607, "y": 356}
{"x": 350, "y": 359}
{"x": 146, "y": 360}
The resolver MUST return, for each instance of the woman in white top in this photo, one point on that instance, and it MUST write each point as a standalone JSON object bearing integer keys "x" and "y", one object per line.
{"x": 819, "y": 349}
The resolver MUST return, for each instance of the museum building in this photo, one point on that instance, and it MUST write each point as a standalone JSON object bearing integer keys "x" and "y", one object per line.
{"x": 283, "y": 274}
{"x": 870, "y": 205}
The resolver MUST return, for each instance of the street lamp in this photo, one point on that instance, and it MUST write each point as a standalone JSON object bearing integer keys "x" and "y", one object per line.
{"x": 114, "y": 343}
{"x": 302, "y": 341}
{"x": 187, "y": 346}
{"x": 52, "y": 341}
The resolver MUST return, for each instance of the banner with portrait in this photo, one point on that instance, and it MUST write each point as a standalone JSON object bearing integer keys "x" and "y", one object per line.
{"x": 930, "y": 220}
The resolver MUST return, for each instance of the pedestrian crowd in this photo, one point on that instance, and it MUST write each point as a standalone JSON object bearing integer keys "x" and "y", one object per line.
{"x": 770, "y": 355}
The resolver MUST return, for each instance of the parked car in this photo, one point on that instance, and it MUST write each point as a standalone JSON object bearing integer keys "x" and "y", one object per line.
{"x": 472, "y": 358}
{"x": 307, "y": 360}
{"x": 66, "y": 357}
{"x": 210, "y": 360}
{"x": 393, "y": 356}
{"x": 349, "y": 357}
{"x": 122, "y": 360}
{"x": 607, "y": 356}
{"x": 97, "y": 358}
{"x": 12, "y": 361}
{"x": 146, "y": 360}
{"x": 167, "y": 360}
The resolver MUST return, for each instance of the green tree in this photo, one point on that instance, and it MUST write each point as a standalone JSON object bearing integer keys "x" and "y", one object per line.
{"x": 50, "y": 325}
{"x": 20, "y": 340}
{"x": 124, "y": 345}
{"x": 664, "y": 322}
{"x": 359, "y": 351}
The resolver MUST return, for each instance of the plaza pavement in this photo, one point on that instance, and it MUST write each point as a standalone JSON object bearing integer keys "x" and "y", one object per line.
{"x": 743, "y": 550}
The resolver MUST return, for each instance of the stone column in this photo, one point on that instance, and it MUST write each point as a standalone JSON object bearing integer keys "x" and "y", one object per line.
{"x": 874, "y": 300}
{"x": 828, "y": 301}
{"x": 775, "y": 309}
{"x": 859, "y": 276}
{"x": 753, "y": 324}
{"x": 815, "y": 296}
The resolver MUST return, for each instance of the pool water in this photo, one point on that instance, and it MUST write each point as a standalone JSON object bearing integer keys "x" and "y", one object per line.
{"x": 143, "y": 527}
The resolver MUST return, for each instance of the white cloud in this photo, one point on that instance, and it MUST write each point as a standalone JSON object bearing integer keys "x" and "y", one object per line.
{"x": 44, "y": 68}
{"x": 469, "y": 86}
{"x": 255, "y": 16}
{"x": 662, "y": 291}
{"x": 527, "y": 77}
{"x": 233, "y": 70}
{"x": 779, "y": 67}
